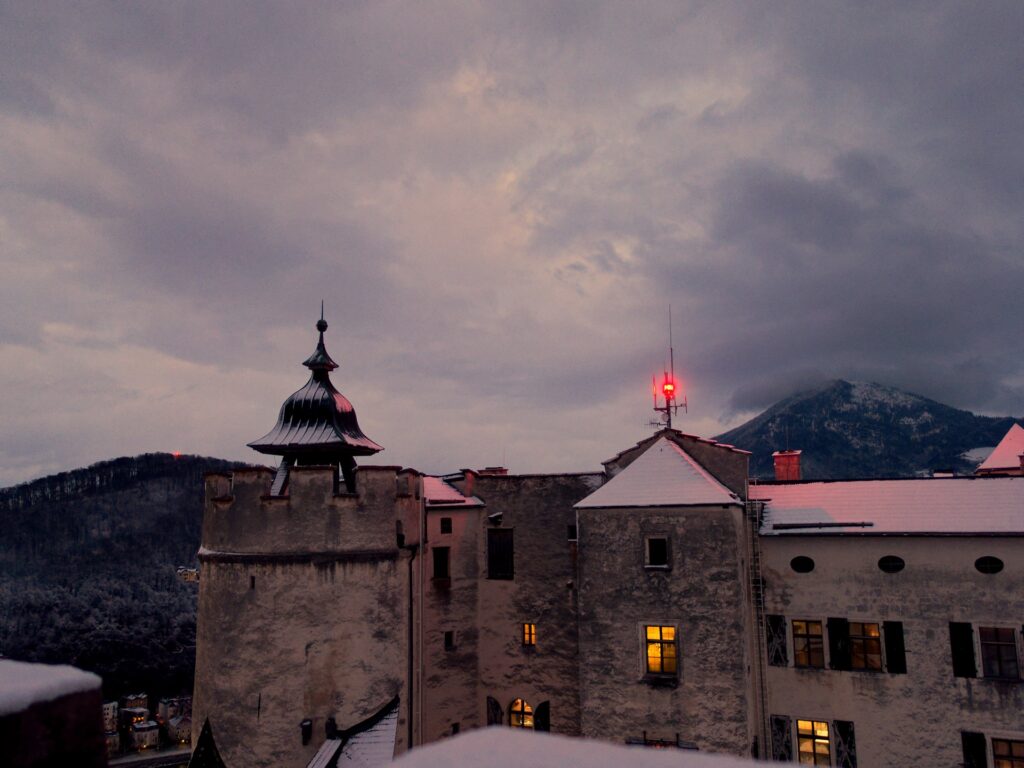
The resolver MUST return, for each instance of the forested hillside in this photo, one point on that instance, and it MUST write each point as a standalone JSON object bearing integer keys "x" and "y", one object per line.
{"x": 88, "y": 564}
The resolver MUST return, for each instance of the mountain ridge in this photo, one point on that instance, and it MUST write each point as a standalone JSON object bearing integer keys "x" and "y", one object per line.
{"x": 861, "y": 430}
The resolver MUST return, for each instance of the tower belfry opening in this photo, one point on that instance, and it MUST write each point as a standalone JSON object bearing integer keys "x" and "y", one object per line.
{"x": 317, "y": 426}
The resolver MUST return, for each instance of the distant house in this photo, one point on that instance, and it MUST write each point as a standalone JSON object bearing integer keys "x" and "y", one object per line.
{"x": 110, "y": 716}
{"x": 145, "y": 735}
{"x": 113, "y": 741}
{"x": 134, "y": 700}
{"x": 130, "y": 716}
{"x": 179, "y": 729}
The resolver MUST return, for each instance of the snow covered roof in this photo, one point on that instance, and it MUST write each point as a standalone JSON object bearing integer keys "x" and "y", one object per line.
{"x": 1007, "y": 454}
{"x": 514, "y": 748}
{"x": 662, "y": 476}
{"x": 23, "y": 684}
{"x": 371, "y": 743}
{"x": 440, "y": 493}
{"x": 952, "y": 506}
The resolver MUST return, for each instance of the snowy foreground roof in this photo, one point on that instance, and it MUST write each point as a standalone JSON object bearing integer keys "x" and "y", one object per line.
{"x": 499, "y": 747}
{"x": 951, "y": 506}
{"x": 662, "y": 476}
{"x": 23, "y": 684}
{"x": 1007, "y": 454}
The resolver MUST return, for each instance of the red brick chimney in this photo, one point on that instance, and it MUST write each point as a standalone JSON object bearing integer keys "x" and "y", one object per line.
{"x": 787, "y": 465}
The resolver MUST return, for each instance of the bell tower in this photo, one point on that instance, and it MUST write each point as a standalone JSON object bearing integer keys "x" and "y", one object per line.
{"x": 317, "y": 426}
{"x": 305, "y": 621}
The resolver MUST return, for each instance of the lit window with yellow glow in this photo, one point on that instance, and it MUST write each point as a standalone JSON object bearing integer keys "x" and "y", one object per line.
{"x": 813, "y": 740}
{"x": 529, "y": 634}
{"x": 661, "y": 650}
{"x": 520, "y": 714}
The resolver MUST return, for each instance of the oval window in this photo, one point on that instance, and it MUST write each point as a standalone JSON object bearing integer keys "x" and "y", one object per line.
{"x": 891, "y": 564}
{"x": 802, "y": 564}
{"x": 988, "y": 564}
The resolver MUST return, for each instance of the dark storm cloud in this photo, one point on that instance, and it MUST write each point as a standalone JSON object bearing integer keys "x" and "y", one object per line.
{"x": 497, "y": 203}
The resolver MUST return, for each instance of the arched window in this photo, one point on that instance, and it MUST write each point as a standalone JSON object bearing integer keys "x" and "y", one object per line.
{"x": 520, "y": 714}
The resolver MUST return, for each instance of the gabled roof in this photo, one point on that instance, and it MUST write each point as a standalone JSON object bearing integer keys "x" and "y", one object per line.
{"x": 440, "y": 493}
{"x": 662, "y": 476}
{"x": 961, "y": 506}
{"x": 1006, "y": 455}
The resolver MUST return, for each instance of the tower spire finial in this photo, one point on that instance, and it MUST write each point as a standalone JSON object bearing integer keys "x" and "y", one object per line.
{"x": 321, "y": 324}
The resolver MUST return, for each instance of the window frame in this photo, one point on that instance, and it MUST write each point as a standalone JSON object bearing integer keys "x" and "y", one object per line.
{"x": 864, "y": 640}
{"x": 647, "y": 642}
{"x": 1012, "y": 644}
{"x": 521, "y": 715}
{"x": 529, "y": 634}
{"x": 445, "y": 526}
{"x": 1012, "y": 761}
{"x": 815, "y": 740}
{"x": 820, "y": 639}
{"x": 648, "y": 565}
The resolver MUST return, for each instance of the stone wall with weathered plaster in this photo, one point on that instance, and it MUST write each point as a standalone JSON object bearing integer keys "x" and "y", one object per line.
{"x": 303, "y": 610}
{"x": 703, "y": 595}
{"x": 899, "y": 719}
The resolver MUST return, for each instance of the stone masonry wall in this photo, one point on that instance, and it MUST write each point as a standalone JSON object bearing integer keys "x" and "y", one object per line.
{"x": 899, "y": 719}
{"x": 703, "y": 596}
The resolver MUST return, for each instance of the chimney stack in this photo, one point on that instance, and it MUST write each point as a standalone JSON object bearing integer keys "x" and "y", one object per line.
{"x": 787, "y": 465}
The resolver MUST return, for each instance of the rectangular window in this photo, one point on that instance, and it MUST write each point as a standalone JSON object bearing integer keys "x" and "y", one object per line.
{"x": 808, "y": 644}
{"x": 446, "y": 525}
{"x": 441, "y": 569}
{"x": 656, "y": 552}
{"x": 570, "y": 532}
{"x": 1007, "y": 753}
{"x": 500, "y": 554}
{"x": 529, "y": 634}
{"x": 975, "y": 749}
{"x": 865, "y": 646}
{"x": 449, "y": 640}
{"x": 661, "y": 650}
{"x": 812, "y": 740}
{"x": 961, "y": 642}
{"x": 999, "y": 653}
{"x": 895, "y": 652}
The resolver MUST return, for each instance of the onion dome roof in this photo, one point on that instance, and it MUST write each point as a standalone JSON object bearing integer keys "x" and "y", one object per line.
{"x": 317, "y": 419}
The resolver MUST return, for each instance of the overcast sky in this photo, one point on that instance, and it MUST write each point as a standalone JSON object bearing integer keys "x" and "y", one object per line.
{"x": 497, "y": 203}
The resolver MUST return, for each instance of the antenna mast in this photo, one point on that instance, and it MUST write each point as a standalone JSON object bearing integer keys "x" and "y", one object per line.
{"x": 668, "y": 386}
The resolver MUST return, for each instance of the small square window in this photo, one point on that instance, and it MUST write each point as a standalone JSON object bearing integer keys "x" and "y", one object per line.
{"x": 999, "y": 653}
{"x": 449, "y": 640}
{"x": 865, "y": 646}
{"x": 446, "y": 525}
{"x": 529, "y": 634}
{"x": 656, "y": 552}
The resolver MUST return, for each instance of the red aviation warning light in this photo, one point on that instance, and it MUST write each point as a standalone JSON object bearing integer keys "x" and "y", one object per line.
{"x": 668, "y": 387}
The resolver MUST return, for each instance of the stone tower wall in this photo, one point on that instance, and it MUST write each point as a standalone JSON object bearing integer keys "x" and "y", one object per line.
{"x": 304, "y": 610}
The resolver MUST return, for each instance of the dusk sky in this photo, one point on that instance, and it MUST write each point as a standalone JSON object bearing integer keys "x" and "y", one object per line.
{"x": 497, "y": 203}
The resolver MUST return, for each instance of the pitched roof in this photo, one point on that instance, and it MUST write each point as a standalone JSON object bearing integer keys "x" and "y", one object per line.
{"x": 1007, "y": 454}
{"x": 662, "y": 476}
{"x": 440, "y": 493}
{"x": 206, "y": 754}
{"x": 952, "y": 506}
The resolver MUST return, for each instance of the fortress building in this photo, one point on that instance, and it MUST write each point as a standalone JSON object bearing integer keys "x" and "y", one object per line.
{"x": 349, "y": 613}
